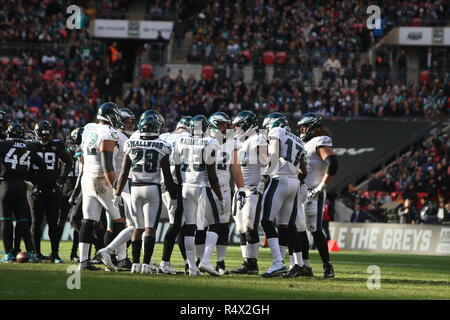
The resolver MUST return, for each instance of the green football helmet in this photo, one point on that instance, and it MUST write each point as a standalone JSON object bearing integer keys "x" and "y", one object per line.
{"x": 310, "y": 121}
{"x": 110, "y": 112}
{"x": 75, "y": 137}
{"x": 155, "y": 113}
{"x": 184, "y": 123}
{"x": 199, "y": 125}
{"x": 244, "y": 122}
{"x": 149, "y": 126}
{"x": 271, "y": 117}
{"x": 280, "y": 122}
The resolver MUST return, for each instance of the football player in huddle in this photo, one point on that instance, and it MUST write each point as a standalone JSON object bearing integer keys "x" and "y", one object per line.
{"x": 322, "y": 166}
{"x": 16, "y": 155}
{"x": 195, "y": 158}
{"x": 145, "y": 158}
{"x": 252, "y": 158}
{"x": 46, "y": 196}
{"x": 227, "y": 166}
{"x": 280, "y": 181}
{"x": 174, "y": 209}
{"x": 100, "y": 148}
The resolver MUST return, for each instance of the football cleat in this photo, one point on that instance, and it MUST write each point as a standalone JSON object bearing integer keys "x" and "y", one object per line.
{"x": 74, "y": 257}
{"x": 243, "y": 269}
{"x": 193, "y": 272}
{"x": 307, "y": 272}
{"x": 293, "y": 272}
{"x": 328, "y": 271}
{"x": 276, "y": 269}
{"x": 186, "y": 268}
{"x": 9, "y": 257}
{"x": 197, "y": 262}
{"x": 220, "y": 268}
{"x": 32, "y": 257}
{"x": 124, "y": 265}
{"x": 208, "y": 268}
{"x": 105, "y": 257}
{"x": 165, "y": 268}
{"x": 136, "y": 268}
{"x": 86, "y": 265}
{"x": 252, "y": 266}
{"x": 54, "y": 258}
{"x": 39, "y": 257}
{"x": 145, "y": 269}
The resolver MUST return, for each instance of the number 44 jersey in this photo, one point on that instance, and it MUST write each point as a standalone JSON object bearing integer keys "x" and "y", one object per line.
{"x": 146, "y": 156}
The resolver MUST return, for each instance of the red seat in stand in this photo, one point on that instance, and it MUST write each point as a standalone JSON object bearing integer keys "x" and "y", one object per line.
{"x": 207, "y": 72}
{"x": 146, "y": 70}
{"x": 268, "y": 58}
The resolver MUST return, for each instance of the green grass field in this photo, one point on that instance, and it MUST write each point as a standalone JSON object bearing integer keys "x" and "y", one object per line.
{"x": 402, "y": 277}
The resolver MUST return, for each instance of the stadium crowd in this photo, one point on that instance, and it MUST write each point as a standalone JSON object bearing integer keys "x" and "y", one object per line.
{"x": 418, "y": 181}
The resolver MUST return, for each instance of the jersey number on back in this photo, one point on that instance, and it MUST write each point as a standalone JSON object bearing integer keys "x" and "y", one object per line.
{"x": 89, "y": 142}
{"x": 12, "y": 159}
{"x": 150, "y": 160}
{"x": 298, "y": 155}
{"x": 197, "y": 160}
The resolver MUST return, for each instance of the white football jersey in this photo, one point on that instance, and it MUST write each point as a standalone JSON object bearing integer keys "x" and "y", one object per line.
{"x": 224, "y": 158}
{"x": 93, "y": 135}
{"x": 314, "y": 164}
{"x": 194, "y": 154}
{"x": 172, "y": 138}
{"x": 291, "y": 149}
{"x": 248, "y": 158}
{"x": 146, "y": 156}
{"x": 118, "y": 159}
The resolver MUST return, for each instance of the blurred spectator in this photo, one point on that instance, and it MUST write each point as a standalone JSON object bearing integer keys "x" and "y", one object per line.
{"x": 407, "y": 213}
{"x": 359, "y": 215}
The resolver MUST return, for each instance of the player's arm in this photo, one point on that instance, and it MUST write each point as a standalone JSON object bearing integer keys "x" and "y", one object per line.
{"x": 123, "y": 176}
{"x": 36, "y": 161}
{"x": 303, "y": 172}
{"x": 274, "y": 155}
{"x": 106, "y": 158}
{"x": 328, "y": 155}
{"x": 213, "y": 180}
{"x": 235, "y": 169}
{"x": 77, "y": 188}
{"x": 66, "y": 158}
{"x": 168, "y": 179}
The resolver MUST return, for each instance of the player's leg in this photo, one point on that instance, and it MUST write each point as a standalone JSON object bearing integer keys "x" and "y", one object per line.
{"x": 200, "y": 239}
{"x": 273, "y": 199}
{"x": 190, "y": 196}
{"x": 76, "y": 216}
{"x": 238, "y": 214}
{"x": 139, "y": 227}
{"x": 52, "y": 208}
{"x": 23, "y": 219}
{"x": 175, "y": 213}
{"x": 64, "y": 211}
{"x": 37, "y": 217}
{"x": 152, "y": 211}
{"x": 6, "y": 224}
{"x": 224, "y": 232}
{"x": 212, "y": 218}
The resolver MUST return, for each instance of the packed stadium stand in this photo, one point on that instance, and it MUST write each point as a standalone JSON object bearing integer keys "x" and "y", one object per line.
{"x": 293, "y": 56}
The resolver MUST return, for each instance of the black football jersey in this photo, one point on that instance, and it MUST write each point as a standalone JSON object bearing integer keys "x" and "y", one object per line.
{"x": 51, "y": 154}
{"x": 69, "y": 185}
{"x": 17, "y": 159}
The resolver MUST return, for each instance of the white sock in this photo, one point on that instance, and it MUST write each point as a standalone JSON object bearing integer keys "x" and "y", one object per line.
{"x": 298, "y": 258}
{"x": 221, "y": 252}
{"x": 189, "y": 243}
{"x": 84, "y": 251}
{"x": 306, "y": 263}
{"x": 253, "y": 249}
{"x": 283, "y": 251}
{"x": 245, "y": 251}
{"x": 291, "y": 260}
{"x": 199, "y": 249}
{"x": 210, "y": 243}
{"x": 275, "y": 249}
{"x": 123, "y": 237}
{"x": 122, "y": 252}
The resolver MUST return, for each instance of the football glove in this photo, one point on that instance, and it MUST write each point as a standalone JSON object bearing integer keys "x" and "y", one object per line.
{"x": 117, "y": 201}
{"x": 312, "y": 193}
{"x": 240, "y": 197}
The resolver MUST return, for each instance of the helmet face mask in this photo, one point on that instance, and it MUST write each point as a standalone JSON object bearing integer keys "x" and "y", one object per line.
{"x": 270, "y": 118}
{"x": 184, "y": 123}
{"x": 75, "y": 137}
{"x": 110, "y": 112}
{"x": 244, "y": 123}
{"x": 307, "y": 124}
{"x": 128, "y": 119}
{"x": 43, "y": 131}
{"x": 219, "y": 122}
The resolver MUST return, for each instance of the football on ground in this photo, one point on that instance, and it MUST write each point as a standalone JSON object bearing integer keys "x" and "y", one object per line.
{"x": 401, "y": 277}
